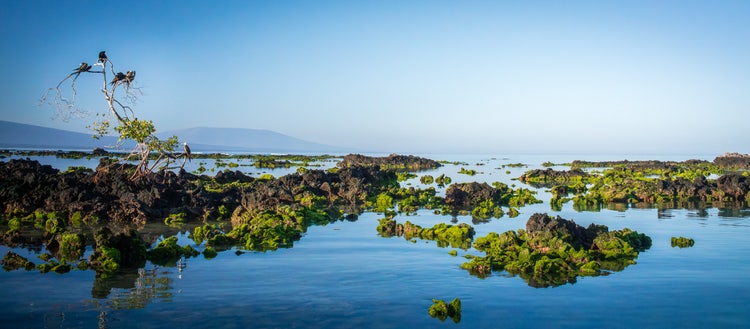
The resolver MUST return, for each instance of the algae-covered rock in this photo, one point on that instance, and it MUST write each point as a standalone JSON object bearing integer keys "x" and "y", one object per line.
{"x": 442, "y": 310}
{"x": 682, "y": 242}
{"x": 168, "y": 252}
{"x": 71, "y": 247}
{"x": 455, "y": 236}
{"x": 555, "y": 251}
{"x": 112, "y": 251}
{"x": 13, "y": 261}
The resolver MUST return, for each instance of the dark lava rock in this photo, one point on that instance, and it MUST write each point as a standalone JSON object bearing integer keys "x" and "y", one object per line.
{"x": 545, "y": 227}
{"x": 227, "y": 176}
{"x": 392, "y": 161}
{"x": 467, "y": 195}
{"x": 733, "y": 160}
{"x": 551, "y": 175}
{"x": 25, "y": 185}
{"x": 734, "y": 185}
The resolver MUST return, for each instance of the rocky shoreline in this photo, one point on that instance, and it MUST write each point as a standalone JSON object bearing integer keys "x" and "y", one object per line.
{"x": 106, "y": 207}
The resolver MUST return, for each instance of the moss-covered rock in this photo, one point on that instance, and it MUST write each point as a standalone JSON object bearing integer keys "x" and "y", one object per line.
{"x": 72, "y": 247}
{"x": 682, "y": 242}
{"x": 113, "y": 252}
{"x": 168, "y": 252}
{"x": 455, "y": 236}
{"x": 555, "y": 251}
{"x": 13, "y": 261}
{"x": 442, "y": 310}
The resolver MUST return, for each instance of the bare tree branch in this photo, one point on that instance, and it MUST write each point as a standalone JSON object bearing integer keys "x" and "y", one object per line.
{"x": 127, "y": 124}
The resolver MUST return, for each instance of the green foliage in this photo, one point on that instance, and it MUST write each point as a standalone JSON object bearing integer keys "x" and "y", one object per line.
{"x": 426, "y": 179}
{"x": 682, "y": 242}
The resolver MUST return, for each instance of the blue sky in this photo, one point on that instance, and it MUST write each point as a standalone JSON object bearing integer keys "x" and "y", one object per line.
{"x": 583, "y": 77}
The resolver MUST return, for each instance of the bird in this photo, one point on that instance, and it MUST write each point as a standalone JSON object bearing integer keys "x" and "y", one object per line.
{"x": 85, "y": 67}
{"x": 129, "y": 77}
{"x": 119, "y": 77}
{"x": 102, "y": 57}
{"x": 187, "y": 150}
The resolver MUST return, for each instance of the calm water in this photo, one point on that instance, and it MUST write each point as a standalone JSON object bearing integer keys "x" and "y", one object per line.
{"x": 344, "y": 275}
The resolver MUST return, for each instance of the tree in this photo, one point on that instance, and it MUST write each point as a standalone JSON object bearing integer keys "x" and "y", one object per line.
{"x": 118, "y": 117}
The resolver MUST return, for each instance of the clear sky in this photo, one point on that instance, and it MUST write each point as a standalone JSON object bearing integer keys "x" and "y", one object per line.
{"x": 610, "y": 77}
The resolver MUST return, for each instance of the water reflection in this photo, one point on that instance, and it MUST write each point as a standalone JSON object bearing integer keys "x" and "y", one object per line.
{"x": 734, "y": 212}
{"x": 134, "y": 289}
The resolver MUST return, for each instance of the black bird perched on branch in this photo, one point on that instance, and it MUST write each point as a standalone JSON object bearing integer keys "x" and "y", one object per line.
{"x": 85, "y": 67}
{"x": 119, "y": 77}
{"x": 102, "y": 57}
{"x": 129, "y": 77}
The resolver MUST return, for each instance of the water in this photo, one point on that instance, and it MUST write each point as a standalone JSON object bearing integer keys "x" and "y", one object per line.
{"x": 344, "y": 275}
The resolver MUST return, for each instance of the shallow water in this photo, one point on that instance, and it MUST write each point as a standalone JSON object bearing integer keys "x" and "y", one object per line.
{"x": 344, "y": 275}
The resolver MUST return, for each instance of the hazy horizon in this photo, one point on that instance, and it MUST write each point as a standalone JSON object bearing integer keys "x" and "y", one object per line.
{"x": 585, "y": 77}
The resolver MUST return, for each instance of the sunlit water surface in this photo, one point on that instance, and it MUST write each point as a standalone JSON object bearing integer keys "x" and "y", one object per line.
{"x": 344, "y": 275}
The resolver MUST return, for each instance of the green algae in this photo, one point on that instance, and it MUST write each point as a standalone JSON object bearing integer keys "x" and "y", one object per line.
{"x": 442, "y": 310}
{"x": 553, "y": 258}
{"x": 168, "y": 252}
{"x": 682, "y": 242}
{"x": 445, "y": 235}
{"x": 13, "y": 261}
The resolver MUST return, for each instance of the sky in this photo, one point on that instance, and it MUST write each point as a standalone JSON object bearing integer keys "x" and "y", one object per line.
{"x": 495, "y": 77}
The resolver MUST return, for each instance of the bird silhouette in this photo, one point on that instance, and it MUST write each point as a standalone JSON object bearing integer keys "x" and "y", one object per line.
{"x": 129, "y": 77}
{"x": 102, "y": 57}
{"x": 85, "y": 67}
{"x": 119, "y": 77}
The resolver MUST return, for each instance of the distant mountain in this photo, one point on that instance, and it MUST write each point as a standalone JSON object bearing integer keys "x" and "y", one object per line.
{"x": 241, "y": 139}
{"x": 18, "y": 135}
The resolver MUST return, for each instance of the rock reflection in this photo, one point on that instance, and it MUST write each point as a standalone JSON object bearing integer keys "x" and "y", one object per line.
{"x": 134, "y": 289}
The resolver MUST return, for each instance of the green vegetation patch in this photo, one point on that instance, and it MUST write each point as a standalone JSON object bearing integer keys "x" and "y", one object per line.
{"x": 13, "y": 261}
{"x": 554, "y": 251}
{"x": 168, "y": 252}
{"x": 682, "y": 242}
{"x": 455, "y": 236}
{"x": 442, "y": 310}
